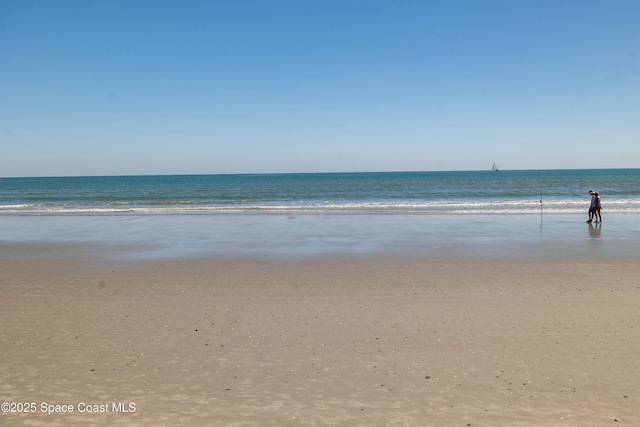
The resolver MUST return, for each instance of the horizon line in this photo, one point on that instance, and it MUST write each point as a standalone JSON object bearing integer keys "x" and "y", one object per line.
{"x": 306, "y": 173}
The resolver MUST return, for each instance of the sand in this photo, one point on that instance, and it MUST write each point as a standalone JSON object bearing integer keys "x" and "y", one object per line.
{"x": 329, "y": 342}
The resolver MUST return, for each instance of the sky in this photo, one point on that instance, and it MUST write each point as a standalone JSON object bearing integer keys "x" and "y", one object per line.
{"x": 128, "y": 87}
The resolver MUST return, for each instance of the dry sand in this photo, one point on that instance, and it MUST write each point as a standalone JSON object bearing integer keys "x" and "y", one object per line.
{"x": 377, "y": 341}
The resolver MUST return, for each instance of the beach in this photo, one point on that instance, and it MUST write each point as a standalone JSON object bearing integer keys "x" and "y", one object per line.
{"x": 319, "y": 213}
{"x": 363, "y": 339}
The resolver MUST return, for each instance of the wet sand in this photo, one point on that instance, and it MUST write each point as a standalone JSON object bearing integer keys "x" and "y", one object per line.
{"x": 368, "y": 340}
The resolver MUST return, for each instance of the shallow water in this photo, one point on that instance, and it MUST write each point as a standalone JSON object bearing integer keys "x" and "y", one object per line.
{"x": 477, "y": 236}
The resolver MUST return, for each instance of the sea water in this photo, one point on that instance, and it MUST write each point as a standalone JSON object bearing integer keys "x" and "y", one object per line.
{"x": 477, "y": 213}
{"x": 480, "y": 192}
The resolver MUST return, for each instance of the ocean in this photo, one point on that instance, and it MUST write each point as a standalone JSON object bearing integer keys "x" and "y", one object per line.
{"x": 434, "y": 214}
{"x": 451, "y": 193}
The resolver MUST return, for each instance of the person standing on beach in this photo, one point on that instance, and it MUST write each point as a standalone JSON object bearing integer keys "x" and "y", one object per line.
{"x": 597, "y": 207}
{"x": 592, "y": 207}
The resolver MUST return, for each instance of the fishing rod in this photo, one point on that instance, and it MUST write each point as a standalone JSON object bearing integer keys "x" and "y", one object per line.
{"x": 540, "y": 182}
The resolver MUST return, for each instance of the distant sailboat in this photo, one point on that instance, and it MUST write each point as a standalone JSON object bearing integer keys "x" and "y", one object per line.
{"x": 494, "y": 168}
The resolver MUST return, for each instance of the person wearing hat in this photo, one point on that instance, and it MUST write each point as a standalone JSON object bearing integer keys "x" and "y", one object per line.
{"x": 592, "y": 207}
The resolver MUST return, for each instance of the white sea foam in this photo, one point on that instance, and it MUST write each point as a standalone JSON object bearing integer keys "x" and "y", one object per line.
{"x": 365, "y": 207}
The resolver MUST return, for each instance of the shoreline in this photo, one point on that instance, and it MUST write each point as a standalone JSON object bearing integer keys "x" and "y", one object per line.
{"x": 377, "y": 340}
{"x": 280, "y": 236}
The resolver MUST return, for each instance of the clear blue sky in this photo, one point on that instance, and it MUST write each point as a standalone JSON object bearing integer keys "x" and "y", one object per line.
{"x": 102, "y": 87}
